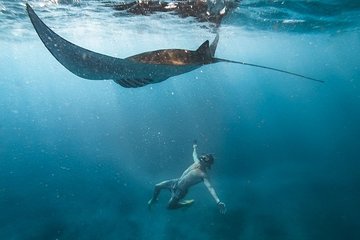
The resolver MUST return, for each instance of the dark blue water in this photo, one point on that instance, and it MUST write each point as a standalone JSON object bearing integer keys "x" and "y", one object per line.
{"x": 79, "y": 158}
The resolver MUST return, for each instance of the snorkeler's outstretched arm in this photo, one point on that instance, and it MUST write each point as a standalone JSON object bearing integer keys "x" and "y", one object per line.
{"x": 195, "y": 156}
{"x": 220, "y": 204}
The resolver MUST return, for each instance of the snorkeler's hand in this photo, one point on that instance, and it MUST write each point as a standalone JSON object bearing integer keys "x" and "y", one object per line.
{"x": 222, "y": 207}
{"x": 195, "y": 144}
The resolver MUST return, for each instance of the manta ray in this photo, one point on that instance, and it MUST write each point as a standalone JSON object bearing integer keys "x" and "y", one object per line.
{"x": 134, "y": 71}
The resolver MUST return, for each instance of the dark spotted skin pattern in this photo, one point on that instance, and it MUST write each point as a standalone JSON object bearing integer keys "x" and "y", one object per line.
{"x": 172, "y": 57}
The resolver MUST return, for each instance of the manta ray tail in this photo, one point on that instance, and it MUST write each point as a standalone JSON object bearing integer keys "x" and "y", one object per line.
{"x": 269, "y": 68}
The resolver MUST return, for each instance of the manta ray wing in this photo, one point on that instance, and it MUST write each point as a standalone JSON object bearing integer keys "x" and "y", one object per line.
{"x": 82, "y": 62}
{"x": 95, "y": 66}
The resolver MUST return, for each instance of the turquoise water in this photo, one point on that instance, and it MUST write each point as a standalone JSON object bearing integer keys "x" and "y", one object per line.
{"x": 79, "y": 158}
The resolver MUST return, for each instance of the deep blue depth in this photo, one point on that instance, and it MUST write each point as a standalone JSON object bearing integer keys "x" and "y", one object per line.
{"x": 79, "y": 158}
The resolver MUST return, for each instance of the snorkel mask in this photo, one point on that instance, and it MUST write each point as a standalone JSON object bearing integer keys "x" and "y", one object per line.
{"x": 207, "y": 159}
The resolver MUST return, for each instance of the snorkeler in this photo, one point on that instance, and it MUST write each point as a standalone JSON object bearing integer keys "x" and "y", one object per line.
{"x": 194, "y": 174}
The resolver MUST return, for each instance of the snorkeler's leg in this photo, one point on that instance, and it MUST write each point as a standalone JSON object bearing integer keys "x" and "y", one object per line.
{"x": 157, "y": 189}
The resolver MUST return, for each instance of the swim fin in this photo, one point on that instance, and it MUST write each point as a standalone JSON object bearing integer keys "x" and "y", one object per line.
{"x": 187, "y": 203}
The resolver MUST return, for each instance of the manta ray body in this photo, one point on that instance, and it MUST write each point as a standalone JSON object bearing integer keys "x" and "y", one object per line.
{"x": 134, "y": 71}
